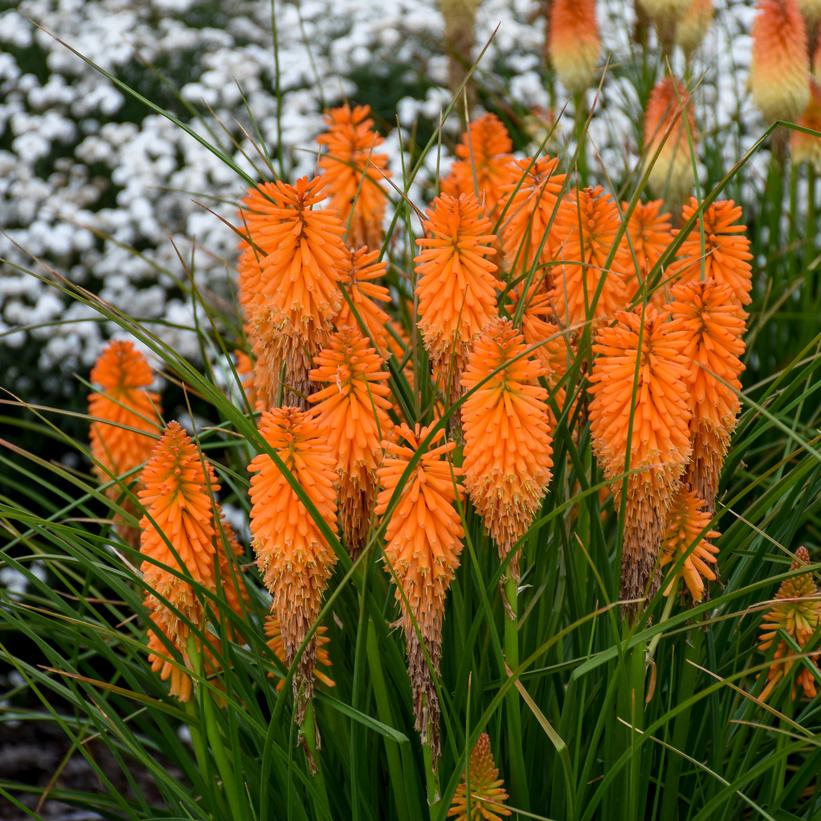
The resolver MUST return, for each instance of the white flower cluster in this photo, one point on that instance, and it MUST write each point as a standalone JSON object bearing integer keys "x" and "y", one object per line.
{"x": 116, "y": 198}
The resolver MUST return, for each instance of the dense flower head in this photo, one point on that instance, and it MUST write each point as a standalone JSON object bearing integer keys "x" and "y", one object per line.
{"x": 806, "y": 148}
{"x": 725, "y": 255}
{"x": 670, "y": 130}
{"x": 693, "y": 24}
{"x": 574, "y": 43}
{"x": 423, "y": 541}
{"x": 588, "y": 224}
{"x": 650, "y": 232}
{"x": 796, "y": 611}
{"x": 276, "y": 645}
{"x": 779, "y": 73}
{"x": 354, "y": 172}
{"x": 531, "y": 195}
{"x": 487, "y": 790}
{"x": 483, "y": 161}
{"x": 688, "y": 534}
{"x": 508, "y": 443}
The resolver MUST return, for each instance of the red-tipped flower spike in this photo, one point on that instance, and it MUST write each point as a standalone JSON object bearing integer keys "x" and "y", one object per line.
{"x": 650, "y": 233}
{"x": 482, "y": 164}
{"x": 797, "y": 612}
{"x": 670, "y": 129}
{"x": 693, "y": 24}
{"x": 532, "y": 191}
{"x": 688, "y": 534}
{"x": 277, "y": 646}
{"x": 656, "y": 404}
{"x": 574, "y": 43}
{"x": 508, "y": 444}
{"x": 487, "y": 790}
{"x": 807, "y": 147}
{"x": 725, "y": 255}
{"x": 456, "y": 285}
{"x": 293, "y": 555}
{"x": 290, "y": 276}
{"x": 779, "y": 73}
{"x": 712, "y": 327}
{"x": 355, "y": 173}
{"x": 588, "y": 224}
{"x": 352, "y": 412}
{"x": 423, "y": 543}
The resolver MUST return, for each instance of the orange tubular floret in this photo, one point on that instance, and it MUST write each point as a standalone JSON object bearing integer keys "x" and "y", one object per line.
{"x": 650, "y": 234}
{"x": 277, "y": 646}
{"x": 644, "y": 385}
{"x": 355, "y": 173}
{"x": 530, "y": 195}
{"x": 487, "y": 790}
{"x": 290, "y": 269}
{"x": 796, "y": 611}
{"x": 725, "y": 255}
{"x": 587, "y": 224}
{"x": 693, "y": 24}
{"x": 779, "y": 73}
{"x": 482, "y": 164}
{"x": 670, "y": 129}
{"x": 707, "y": 316}
{"x": 807, "y": 147}
{"x": 423, "y": 541}
{"x": 456, "y": 285}
{"x": 508, "y": 443}
{"x": 352, "y": 412}
{"x": 293, "y": 555}
{"x": 688, "y": 534}
{"x": 574, "y": 43}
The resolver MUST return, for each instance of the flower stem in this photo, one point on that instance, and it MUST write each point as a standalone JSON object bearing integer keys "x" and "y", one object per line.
{"x": 518, "y": 779}
{"x": 309, "y": 739}
{"x": 431, "y": 773}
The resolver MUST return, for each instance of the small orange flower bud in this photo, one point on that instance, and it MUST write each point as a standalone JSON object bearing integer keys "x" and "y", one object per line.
{"x": 487, "y": 790}
{"x": 574, "y": 43}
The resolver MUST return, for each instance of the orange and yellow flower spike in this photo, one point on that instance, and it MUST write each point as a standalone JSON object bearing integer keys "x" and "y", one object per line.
{"x": 688, "y": 534}
{"x": 355, "y": 173}
{"x": 352, "y": 412}
{"x": 650, "y": 231}
{"x": 293, "y": 556}
{"x": 574, "y": 43}
{"x": 643, "y": 383}
{"x": 693, "y": 24}
{"x": 779, "y": 73}
{"x": 487, "y": 790}
{"x": 806, "y": 148}
{"x": 276, "y": 645}
{"x": 423, "y": 542}
{"x": 508, "y": 442}
{"x": 796, "y": 611}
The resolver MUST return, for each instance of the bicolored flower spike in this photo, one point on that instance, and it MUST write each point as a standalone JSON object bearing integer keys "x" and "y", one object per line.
{"x": 574, "y": 43}
{"x": 484, "y": 156}
{"x": 456, "y": 283}
{"x": 352, "y": 412}
{"x": 583, "y": 288}
{"x": 487, "y": 790}
{"x": 508, "y": 443}
{"x": 688, "y": 534}
{"x": 693, "y": 24}
{"x": 423, "y": 542}
{"x": 712, "y": 328}
{"x": 276, "y": 644}
{"x": 806, "y": 148}
{"x": 779, "y": 72}
{"x": 530, "y": 195}
{"x": 670, "y": 130}
{"x": 296, "y": 257}
{"x": 639, "y": 398}
{"x": 355, "y": 173}
{"x": 650, "y": 232}
{"x": 796, "y": 612}
{"x": 293, "y": 555}
{"x": 725, "y": 254}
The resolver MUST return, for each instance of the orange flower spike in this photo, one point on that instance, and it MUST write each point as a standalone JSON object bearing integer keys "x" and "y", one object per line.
{"x": 725, "y": 256}
{"x": 669, "y": 129}
{"x": 688, "y": 534}
{"x": 574, "y": 43}
{"x": 533, "y": 189}
{"x": 423, "y": 541}
{"x": 693, "y": 24}
{"x": 484, "y": 157}
{"x": 807, "y": 147}
{"x": 588, "y": 224}
{"x": 352, "y": 412}
{"x": 779, "y": 72}
{"x": 706, "y": 314}
{"x": 508, "y": 442}
{"x": 487, "y": 790}
{"x": 660, "y": 438}
{"x": 456, "y": 286}
{"x": 293, "y": 555}
{"x": 277, "y": 647}
{"x": 797, "y": 612}
{"x": 650, "y": 234}
{"x": 355, "y": 172}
